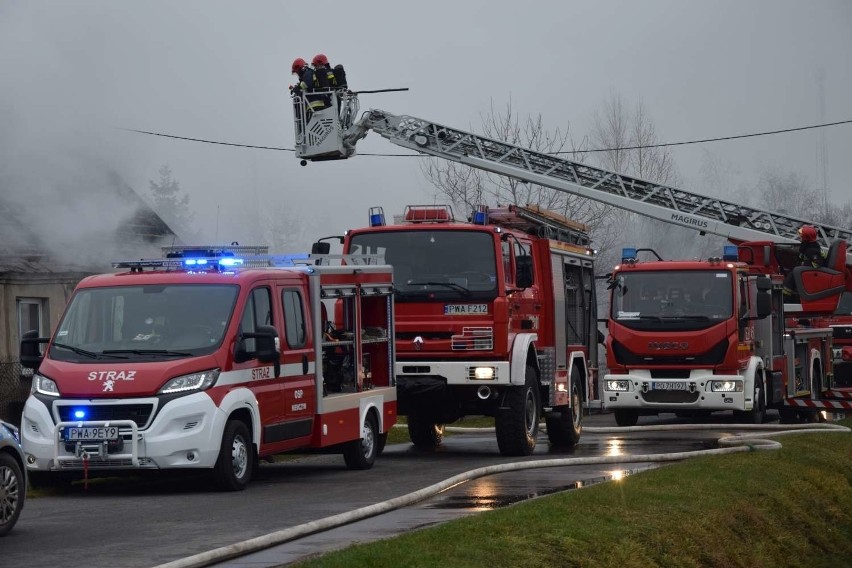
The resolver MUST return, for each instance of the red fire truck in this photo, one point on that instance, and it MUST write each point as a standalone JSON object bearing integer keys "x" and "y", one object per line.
{"x": 495, "y": 316}
{"x": 211, "y": 358}
{"x": 692, "y": 337}
{"x": 706, "y": 215}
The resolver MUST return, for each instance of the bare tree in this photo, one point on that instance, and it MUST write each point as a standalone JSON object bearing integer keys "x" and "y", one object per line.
{"x": 465, "y": 187}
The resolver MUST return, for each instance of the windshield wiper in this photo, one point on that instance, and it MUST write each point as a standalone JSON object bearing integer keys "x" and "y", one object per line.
{"x": 148, "y": 352}
{"x": 85, "y": 352}
{"x": 451, "y": 285}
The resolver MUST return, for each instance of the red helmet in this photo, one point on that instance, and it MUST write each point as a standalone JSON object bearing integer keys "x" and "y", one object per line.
{"x": 298, "y": 65}
{"x": 320, "y": 59}
{"x": 808, "y": 234}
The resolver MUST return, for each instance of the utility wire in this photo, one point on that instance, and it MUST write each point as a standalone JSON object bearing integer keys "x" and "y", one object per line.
{"x": 702, "y": 141}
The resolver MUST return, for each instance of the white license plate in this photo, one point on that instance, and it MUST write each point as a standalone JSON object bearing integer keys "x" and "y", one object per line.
{"x": 465, "y": 309}
{"x": 673, "y": 386}
{"x": 92, "y": 433}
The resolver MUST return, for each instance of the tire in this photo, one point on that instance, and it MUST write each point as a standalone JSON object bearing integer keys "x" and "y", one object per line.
{"x": 234, "y": 468}
{"x": 624, "y": 417}
{"x": 361, "y": 453}
{"x": 787, "y": 415}
{"x": 516, "y": 422}
{"x": 13, "y": 491}
{"x": 757, "y": 414}
{"x": 565, "y": 426}
{"x": 424, "y": 433}
{"x": 383, "y": 440}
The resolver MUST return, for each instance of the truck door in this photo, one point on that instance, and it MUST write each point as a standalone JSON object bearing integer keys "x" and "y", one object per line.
{"x": 298, "y": 365}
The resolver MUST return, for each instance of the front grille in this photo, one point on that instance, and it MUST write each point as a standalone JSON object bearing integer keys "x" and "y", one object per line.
{"x": 673, "y": 396}
{"x": 100, "y": 463}
{"x": 474, "y": 339}
{"x": 139, "y": 413}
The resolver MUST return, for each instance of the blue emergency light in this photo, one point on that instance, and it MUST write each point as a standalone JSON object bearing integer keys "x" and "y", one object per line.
{"x": 79, "y": 413}
{"x": 230, "y": 261}
{"x": 628, "y": 254}
{"x": 377, "y": 217}
{"x": 729, "y": 252}
{"x": 480, "y": 216}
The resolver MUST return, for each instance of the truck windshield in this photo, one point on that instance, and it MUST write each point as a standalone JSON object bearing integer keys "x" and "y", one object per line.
{"x": 685, "y": 298}
{"x": 144, "y": 322}
{"x": 439, "y": 265}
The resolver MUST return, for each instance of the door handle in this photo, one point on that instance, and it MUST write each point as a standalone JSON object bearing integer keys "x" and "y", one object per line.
{"x": 304, "y": 364}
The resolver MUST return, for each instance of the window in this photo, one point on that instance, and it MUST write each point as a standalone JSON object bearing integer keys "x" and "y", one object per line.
{"x": 31, "y": 316}
{"x": 258, "y": 312}
{"x": 294, "y": 318}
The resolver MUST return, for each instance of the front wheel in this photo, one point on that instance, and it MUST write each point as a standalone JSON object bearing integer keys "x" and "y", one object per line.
{"x": 361, "y": 453}
{"x": 424, "y": 433}
{"x": 566, "y": 424}
{"x": 758, "y": 410}
{"x": 233, "y": 469}
{"x": 13, "y": 491}
{"x": 516, "y": 422}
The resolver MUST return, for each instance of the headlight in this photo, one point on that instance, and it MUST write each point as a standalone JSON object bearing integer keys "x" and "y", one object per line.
{"x": 618, "y": 385}
{"x": 43, "y": 385}
{"x": 726, "y": 386}
{"x": 194, "y": 382}
{"x": 483, "y": 373}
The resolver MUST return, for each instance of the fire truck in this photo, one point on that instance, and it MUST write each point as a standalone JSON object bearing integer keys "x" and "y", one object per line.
{"x": 495, "y": 316}
{"x": 212, "y": 358}
{"x": 765, "y": 240}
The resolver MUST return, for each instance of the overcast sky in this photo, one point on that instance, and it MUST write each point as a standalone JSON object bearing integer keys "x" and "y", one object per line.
{"x": 75, "y": 72}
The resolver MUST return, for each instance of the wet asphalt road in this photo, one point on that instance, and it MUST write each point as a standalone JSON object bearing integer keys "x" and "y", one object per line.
{"x": 160, "y": 518}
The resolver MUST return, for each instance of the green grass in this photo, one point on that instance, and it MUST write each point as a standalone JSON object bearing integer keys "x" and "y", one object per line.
{"x": 785, "y": 508}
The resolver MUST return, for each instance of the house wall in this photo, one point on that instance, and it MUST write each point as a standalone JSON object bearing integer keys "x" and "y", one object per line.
{"x": 54, "y": 289}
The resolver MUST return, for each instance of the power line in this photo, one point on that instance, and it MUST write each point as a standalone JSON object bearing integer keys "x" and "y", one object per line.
{"x": 702, "y": 141}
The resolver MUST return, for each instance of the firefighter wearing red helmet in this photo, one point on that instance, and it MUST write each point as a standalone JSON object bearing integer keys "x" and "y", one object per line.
{"x": 810, "y": 254}
{"x": 335, "y": 77}
{"x": 307, "y": 84}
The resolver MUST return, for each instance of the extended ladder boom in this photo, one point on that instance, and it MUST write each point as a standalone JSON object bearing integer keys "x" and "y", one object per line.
{"x": 669, "y": 204}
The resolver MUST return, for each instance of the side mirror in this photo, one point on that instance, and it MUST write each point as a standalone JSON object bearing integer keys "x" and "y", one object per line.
{"x": 31, "y": 355}
{"x": 524, "y": 276}
{"x": 320, "y": 248}
{"x": 764, "y": 298}
{"x": 266, "y": 347}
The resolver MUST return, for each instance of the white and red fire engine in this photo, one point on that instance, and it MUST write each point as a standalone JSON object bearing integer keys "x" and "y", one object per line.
{"x": 211, "y": 359}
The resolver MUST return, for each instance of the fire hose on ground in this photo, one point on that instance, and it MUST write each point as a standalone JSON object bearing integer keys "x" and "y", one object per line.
{"x": 750, "y": 441}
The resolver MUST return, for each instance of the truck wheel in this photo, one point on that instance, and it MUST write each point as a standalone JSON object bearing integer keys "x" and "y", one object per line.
{"x": 424, "y": 433}
{"x": 361, "y": 453}
{"x": 383, "y": 439}
{"x": 624, "y": 417}
{"x": 13, "y": 491}
{"x": 787, "y": 415}
{"x": 516, "y": 422}
{"x": 565, "y": 429}
{"x": 233, "y": 469}
{"x": 758, "y": 411}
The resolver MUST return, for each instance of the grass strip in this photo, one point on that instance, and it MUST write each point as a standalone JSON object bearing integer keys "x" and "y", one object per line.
{"x": 785, "y": 508}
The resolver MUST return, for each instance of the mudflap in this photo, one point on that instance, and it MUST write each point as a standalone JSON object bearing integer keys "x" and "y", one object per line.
{"x": 428, "y": 395}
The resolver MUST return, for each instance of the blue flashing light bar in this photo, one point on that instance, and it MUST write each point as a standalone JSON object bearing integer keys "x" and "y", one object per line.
{"x": 729, "y": 252}
{"x": 377, "y": 217}
{"x": 230, "y": 261}
{"x": 628, "y": 253}
{"x": 480, "y": 216}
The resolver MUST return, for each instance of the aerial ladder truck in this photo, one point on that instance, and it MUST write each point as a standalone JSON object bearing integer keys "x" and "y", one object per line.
{"x": 765, "y": 240}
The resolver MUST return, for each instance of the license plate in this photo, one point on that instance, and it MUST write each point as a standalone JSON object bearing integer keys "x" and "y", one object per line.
{"x": 465, "y": 309}
{"x": 673, "y": 386}
{"x": 92, "y": 433}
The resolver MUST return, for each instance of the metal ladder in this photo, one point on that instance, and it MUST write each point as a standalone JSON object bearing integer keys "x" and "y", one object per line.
{"x": 669, "y": 204}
